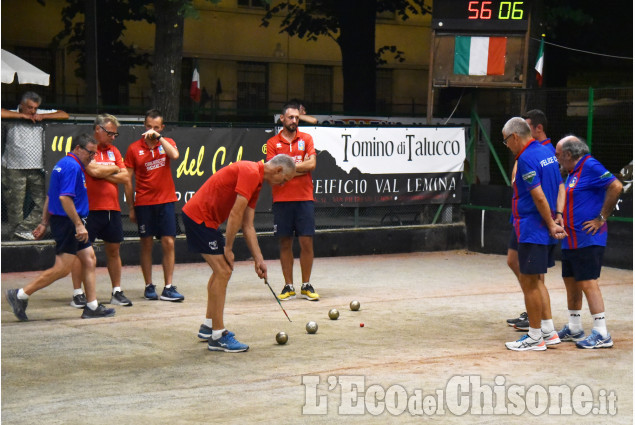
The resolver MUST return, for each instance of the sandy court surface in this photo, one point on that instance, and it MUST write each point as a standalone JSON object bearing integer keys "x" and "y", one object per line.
{"x": 433, "y": 323}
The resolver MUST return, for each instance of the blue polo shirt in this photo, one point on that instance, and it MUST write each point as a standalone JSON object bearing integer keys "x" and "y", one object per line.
{"x": 68, "y": 179}
{"x": 547, "y": 143}
{"x": 537, "y": 166}
{"x": 585, "y": 192}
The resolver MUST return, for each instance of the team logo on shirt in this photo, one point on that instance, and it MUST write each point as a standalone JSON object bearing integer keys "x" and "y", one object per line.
{"x": 213, "y": 245}
{"x": 301, "y": 144}
{"x": 161, "y": 150}
{"x": 278, "y": 145}
{"x": 573, "y": 181}
{"x": 111, "y": 155}
{"x": 141, "y": 152}
{"x": 606, "y": 175}
{"x": 529, "y": 177}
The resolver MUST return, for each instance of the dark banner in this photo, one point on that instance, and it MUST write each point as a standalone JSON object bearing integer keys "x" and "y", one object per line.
{"x": 203, "y": 151}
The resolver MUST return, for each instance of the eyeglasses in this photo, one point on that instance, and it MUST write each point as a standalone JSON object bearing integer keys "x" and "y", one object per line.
{"x": 109, "y": 133}
{"x": 505, "y": 139}
{"x": 90, "y": 153}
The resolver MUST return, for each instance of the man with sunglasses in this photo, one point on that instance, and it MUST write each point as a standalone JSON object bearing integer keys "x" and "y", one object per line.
{"x": 103, "y": 174}
{"x": 65, "y": 209}
{"x": 152, "y": 201}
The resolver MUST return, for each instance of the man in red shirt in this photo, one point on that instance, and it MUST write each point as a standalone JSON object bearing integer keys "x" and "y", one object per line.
{"x": 152, "y": 201}
{"x": 293, "y": 209}
{"x": 103, "y": 174}
{"x": 230, "y": 194}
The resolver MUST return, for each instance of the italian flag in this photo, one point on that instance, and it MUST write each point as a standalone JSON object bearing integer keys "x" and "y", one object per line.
{"x": 540, "y": 61}
{"x": 479, "y": 55}
{"x": 195, "y": 86}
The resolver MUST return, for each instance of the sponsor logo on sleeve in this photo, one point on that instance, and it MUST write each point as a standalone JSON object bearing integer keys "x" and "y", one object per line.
{"x": 529, "y": 177}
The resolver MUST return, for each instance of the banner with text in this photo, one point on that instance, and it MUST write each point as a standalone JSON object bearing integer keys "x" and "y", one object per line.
{"x": 355, "y": 167}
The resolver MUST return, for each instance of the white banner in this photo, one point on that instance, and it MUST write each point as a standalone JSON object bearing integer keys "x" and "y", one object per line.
{"x": 393, "y": 150}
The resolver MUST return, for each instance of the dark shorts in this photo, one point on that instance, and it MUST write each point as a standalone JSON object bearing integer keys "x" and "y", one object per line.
{"x": 294, "y": 218}
{"x": 203, "y": 239}
{"x": 156, "y": 220}
{"x": 513, "y": 241}
{"x": 63, "y": 231}
{"x": 105, "y": 225}
{"x": 583, "y": 263}
{"x": 534, "y": 258}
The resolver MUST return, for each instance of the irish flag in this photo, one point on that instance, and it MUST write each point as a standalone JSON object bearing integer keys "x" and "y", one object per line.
{"x": 479, "y": 55}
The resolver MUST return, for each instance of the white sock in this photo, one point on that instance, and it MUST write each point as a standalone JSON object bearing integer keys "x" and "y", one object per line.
{"x": 534, "y": 333}
{"x": 305, "y": 284}
{"x": 116, "y": 289}
{"x": 217, "y": 334}
{"x": 22, "y": 295}
{"x": 575, "y": 321}
{"x": 599, "y": 324}
{"x": 77, "y": 291}
{"x": 547, "y": 326}
{"x": 93, "y": 305}
{"x": 168, "y": 286}
{"x": 207, "y": 322}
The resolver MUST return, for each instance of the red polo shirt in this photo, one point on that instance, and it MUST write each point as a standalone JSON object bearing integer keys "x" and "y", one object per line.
{"x": 102, "y": 194}
{"x": 213, "y": 202}
{"x": 153, "y": 178}
{"x": 299, "y": 188}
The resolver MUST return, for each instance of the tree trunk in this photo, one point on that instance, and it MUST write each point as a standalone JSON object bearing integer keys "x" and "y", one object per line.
{"x": 168, "y": 54}
{"x": 357, "y": 42}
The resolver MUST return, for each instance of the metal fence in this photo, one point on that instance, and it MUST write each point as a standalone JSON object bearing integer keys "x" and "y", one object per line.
{"x": 602, "y": 116}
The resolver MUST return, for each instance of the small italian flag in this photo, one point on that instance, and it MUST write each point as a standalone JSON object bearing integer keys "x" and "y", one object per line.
{"x": 540, "y": 61}
{"x": 195, "y": 86}
{"x": 479, "y": 55}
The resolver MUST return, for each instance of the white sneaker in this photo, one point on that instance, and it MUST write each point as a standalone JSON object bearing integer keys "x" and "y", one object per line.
{"x": 526, "y": 343}
{"x": 25, "y": 235}
{"x": 551, "y": 338}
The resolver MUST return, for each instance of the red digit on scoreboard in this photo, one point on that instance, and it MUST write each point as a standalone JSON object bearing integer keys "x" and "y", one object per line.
{"x": 472, "y": 7}
{"x": 486, "y": 13}
{"x": 482, "y": 12}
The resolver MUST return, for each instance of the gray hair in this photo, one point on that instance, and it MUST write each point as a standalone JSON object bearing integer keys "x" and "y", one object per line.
{"x": 83, "y": 140}
{"x": 32, "y": 96}
{"x": 103, "y": 119}
{"x": 575, "y": 146}
{"x": 517, "y": 125}
{"x": 285, "y": 161}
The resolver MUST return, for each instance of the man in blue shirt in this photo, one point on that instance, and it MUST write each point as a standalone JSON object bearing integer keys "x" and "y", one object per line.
{"x": 591, "y": 194}
{"x": 65, "y": 208}
{"x": 537, "y": 184}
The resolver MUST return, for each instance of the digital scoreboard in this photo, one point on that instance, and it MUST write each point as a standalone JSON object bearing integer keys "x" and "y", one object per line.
{"x": 484, "y": 15}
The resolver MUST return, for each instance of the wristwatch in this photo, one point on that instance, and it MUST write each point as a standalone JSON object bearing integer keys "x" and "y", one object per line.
{"x": 601, "y": 218}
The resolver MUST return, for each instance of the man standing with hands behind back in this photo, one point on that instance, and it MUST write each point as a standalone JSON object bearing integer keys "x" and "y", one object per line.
{"x": 293, "y": 209}
{"x": 152, "y": 201}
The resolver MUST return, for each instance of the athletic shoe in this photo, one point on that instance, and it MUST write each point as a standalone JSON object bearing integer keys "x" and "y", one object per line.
{"x": 595, "y": 340}
{"x": 523, "y": 325}
{"x": 205, "y": 332}
{"x": 18, "y": 305}
{"x": 512, "y": 322}
{"x": 526, "y": 343}
{"x": 551, "y": 338}
{"x": 118, "y": 298}
{"x": 100, "y": 311}
{"x": 79, "y": 301}
{"x": 309, "y": 293}
{"x": 150, "y": 292}
{"x": 226, "y": 343}
{"x": 28, "y": 236}
{"x": 170, "y": 294}
{"x": 566, "y": 335}
{"x": 288, "y": 293}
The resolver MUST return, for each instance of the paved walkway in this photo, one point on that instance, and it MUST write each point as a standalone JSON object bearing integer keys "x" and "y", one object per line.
{"x": 432, "y": 322}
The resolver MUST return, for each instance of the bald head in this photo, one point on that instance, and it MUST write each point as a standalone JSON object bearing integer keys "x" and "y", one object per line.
{"x": 569, "y": 150}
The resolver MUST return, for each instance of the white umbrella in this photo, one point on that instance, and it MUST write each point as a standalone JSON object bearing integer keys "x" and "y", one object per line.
{"x": 27, "y": 73}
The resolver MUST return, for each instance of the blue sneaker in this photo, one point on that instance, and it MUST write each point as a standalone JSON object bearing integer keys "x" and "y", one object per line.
{"x": 566, "y": 335}
{"x": 595, "y": 340}
{"x": 170, "y": 294}
{"x": 226, "y": 343}
{"x": 205, "y": 332}
{"x": 150, "y": 292}
{"x": 17, "y": 305}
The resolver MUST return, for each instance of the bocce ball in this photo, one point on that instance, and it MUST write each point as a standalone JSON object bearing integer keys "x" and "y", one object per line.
{"x": 311, "y": 327}
{"x": 355, "y": 305}
{"x": 334, "y": 314}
